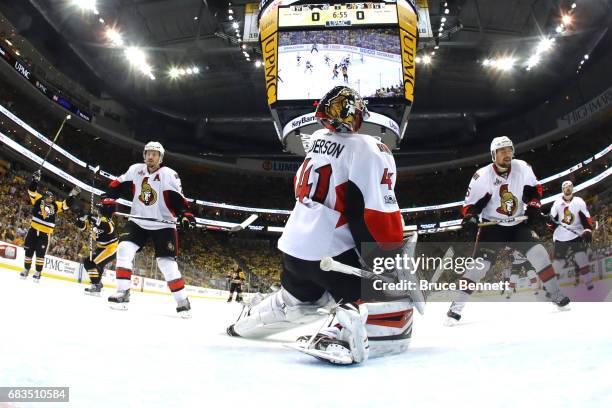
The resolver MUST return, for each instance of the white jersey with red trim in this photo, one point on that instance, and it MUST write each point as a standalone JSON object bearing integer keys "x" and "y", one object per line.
{"x": 150, "y": 194}
{"x": 497, "y": 197}
{"x": 573, "y": 214}
{"x": 345, "y": 178}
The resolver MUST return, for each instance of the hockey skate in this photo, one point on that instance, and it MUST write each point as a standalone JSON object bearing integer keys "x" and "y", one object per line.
{"x": 119, "y": 300}
{"x": 452, "y": 318}
{"x": 345, "y": 343}
{"x": 24, "y": 274}
{"x": 183, "y": 309}
{"x": 94, "y": 290}
{"x": 36, "y": 277}
{"x": 562, "y": 302}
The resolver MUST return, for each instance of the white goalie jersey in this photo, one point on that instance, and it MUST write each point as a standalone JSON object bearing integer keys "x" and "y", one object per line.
{"x": 574, "y": 215}
{"x": 496, "y": 197}
{"x": 155, "y": 194}
{"x": 344, "y": 193}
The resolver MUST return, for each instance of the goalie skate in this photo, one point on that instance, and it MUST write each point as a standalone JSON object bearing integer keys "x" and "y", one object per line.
{"x": 325, "y": 349}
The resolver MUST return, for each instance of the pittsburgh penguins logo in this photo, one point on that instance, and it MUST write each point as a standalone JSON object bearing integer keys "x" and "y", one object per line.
{"x": 568, "y": 217}
{"x": 508, "y": 202}
{"x": 148, "y": 195}
{"x": 46, "y": 210}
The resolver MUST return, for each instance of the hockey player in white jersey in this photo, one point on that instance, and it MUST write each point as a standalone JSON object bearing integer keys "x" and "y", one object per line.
{"x": 573, "y": 233}
{"x": 504, "y": 190}
{"x": 156, "y": 194}
{"x": 344, "y": 192}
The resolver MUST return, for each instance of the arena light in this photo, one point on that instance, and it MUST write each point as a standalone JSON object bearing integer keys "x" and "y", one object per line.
{"x": 573, "y": 6}
{"x": 114, "y": 36}
{"x": 101, "y": 20}
{"x": 235, "y": 25}
{"x": 195, "y": 70}
{"x": 544, "y": 45}
{"x": 506, "y": 64}
{"x": 6, "y": 40}
{"x": 173, "y": 73}
{"x": 86, "y": 5}
{"x": 566, "y": 19}
{"x": 486, "y": 62}
{"x": 426, "y": 59}
{"x": 230, "y": 11}
{"x": 586, "y": 56}
{"x": 560, "y": 29}
{"x": 137, "y": 58}
{"x": 446, "y": 11}
{"x": 533, "y": 61}
{"x": 443, "y": 20}
{"x": 257, "y": 64}
{"x": 244, "y": 46}
{"x": 418, "y": 60}
{"x": 230, "y": 17}
{"x": 189, "y": 71}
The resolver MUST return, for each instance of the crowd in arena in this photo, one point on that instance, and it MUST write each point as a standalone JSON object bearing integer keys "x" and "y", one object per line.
{"x": 385, "y": 40}
{"x": 207, "y": 257}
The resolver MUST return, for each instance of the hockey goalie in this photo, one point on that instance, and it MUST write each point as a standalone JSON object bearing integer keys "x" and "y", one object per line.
{"x": 345, "y": 204}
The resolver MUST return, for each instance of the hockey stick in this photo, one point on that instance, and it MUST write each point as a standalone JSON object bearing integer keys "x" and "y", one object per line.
{"x": 54, "y": 140}
{"x": 244, "y": 223}
{"x": 91, "y": 204}
{"x": 458, "y": 227}
{"x": 560, "y": 224}
{"x": 234, "y": 228}
{"x": 138, "y": 217}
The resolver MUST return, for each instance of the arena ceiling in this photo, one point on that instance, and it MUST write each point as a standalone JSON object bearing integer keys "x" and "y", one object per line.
{"x": 455, "y": 93}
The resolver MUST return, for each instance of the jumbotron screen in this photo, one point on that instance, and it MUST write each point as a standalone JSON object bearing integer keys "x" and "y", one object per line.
{"x": 310, "y": 63}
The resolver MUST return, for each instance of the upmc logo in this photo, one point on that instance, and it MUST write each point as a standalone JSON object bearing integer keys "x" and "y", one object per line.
{"x": 22, "y": 70}
{"x": 54, "y": 264}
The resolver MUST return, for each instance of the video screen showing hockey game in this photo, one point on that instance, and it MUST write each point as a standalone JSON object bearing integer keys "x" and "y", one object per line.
{"x": 310, "y": 63}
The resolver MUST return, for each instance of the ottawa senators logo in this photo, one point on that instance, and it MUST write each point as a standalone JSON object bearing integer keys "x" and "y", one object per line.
{"x": 147, "y": 195}
{"x": 508, "y": 202}
{"x": 568, "y": 217}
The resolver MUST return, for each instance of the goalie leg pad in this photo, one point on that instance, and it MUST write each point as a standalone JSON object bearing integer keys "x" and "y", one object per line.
{"x": 276, "y": 313}
{"x": 389, "y": 327}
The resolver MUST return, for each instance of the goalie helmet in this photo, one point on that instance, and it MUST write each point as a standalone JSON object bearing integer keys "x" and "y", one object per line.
{"x": 342, "y": 110}
{"x": 499, "y": 143}
{"x": 156, "y": 147}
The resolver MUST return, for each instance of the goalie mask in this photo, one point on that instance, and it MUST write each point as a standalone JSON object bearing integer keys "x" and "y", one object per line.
{"x": 342, "y": 110}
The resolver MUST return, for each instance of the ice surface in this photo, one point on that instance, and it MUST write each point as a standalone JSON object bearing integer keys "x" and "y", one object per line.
{"x": 502, "y": 354}
{"x": 366, "y": 74}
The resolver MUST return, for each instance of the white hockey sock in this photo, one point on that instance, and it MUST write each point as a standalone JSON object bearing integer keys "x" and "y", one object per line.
{"x": 176, "y": 283}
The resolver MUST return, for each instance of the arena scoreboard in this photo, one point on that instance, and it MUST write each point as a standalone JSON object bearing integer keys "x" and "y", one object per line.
{"x": 337, "y": 15}
{"x": 373, "y": 43}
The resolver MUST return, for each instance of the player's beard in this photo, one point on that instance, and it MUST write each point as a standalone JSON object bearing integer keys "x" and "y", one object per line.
{"x": 504, "y": 166}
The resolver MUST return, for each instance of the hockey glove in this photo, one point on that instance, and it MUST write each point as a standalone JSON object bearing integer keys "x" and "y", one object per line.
{"x": 587, "y": 237}
{"x": 75, "y": 191}
{"x": 535, "y": 218}
{"x": 187, "y": 220}
{"x": 469, "y": 226}
{"x": 36, "y": 176}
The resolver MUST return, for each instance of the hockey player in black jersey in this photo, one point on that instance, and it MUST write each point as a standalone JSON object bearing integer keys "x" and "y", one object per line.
{"x": 45, "y": 209}
{"x": 103, "y": 228}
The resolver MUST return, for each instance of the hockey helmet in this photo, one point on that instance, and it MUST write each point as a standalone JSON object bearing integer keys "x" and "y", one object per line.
{"x": 499, "y": 143}
{"x": 566, "y": 184}
{"x": 48, "y": 196}
{"x": 156, "y": 147}
{"x": 106, "y": 207}
{"x": 342, "y": 110}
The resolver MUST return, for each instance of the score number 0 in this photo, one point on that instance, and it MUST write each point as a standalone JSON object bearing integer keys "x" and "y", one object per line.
{"x": 316, "y": 16}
